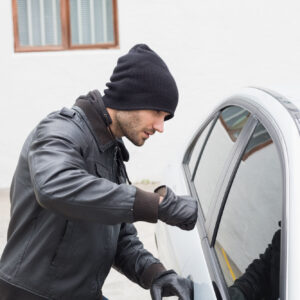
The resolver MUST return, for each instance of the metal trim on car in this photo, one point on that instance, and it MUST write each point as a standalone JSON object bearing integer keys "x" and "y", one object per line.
{"x": 204, "y": 144}
{"x": 229, "y": 175}
{"x": 201, "y": 218}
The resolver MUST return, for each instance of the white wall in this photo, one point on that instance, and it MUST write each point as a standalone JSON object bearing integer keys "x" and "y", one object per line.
{"x": 212, "y": 48}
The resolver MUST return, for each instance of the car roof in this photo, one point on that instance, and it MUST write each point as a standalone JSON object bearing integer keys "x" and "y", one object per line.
{"x": 283, "y": 109}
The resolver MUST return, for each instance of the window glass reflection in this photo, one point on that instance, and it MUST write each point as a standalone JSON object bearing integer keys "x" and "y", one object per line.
{"x": 219, "y": 145}
{"x": 248, "y": 240}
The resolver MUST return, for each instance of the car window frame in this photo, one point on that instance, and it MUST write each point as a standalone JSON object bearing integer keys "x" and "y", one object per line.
{"x": 189, "y": 175}
{"x": 229, "y": 175}
{"x": 208, "y": 228}
{"x": 204, "y": 224}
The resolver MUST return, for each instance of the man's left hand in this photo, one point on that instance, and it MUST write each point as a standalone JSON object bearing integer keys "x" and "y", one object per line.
{"x": 169, "y": 283}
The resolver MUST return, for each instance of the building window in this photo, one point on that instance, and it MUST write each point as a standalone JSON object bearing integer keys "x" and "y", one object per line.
{"x": 45, "y": 25}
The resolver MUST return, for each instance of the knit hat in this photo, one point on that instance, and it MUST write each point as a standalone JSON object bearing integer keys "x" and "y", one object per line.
{"x": 141, "y": 80}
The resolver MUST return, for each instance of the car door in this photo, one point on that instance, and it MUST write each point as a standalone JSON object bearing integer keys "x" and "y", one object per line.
{"x": 234, "y": 168}
{"x": 206, "y": 163}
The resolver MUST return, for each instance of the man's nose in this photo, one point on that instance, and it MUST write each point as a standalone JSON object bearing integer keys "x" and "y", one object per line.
{"x": 159, "y": 126}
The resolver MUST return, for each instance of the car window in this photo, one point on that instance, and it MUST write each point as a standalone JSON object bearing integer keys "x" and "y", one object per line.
{"x": 248, "y": 239}
{"x": 197, "y": 148}
{"x": 217, "y": 149}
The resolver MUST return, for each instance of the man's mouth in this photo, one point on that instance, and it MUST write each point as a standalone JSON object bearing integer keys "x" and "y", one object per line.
{"x": 148, "y": 133}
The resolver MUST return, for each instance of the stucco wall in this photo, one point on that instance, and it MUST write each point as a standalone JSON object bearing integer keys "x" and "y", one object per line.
{"x": 213, "y": 48}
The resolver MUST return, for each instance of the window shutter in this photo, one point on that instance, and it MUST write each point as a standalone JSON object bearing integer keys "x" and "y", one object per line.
{"x": 91, "y": 22}
{"x": 39, "y": 22}
{"x": 23, "y": 22}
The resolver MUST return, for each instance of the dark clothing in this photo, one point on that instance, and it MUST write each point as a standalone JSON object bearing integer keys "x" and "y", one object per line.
{"x": 10, "y": 292}
{"x": 261, "y": 278}
{"x": 71, "y": 213}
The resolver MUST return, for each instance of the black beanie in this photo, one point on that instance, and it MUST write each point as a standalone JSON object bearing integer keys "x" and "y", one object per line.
{"x": 141, "y": 80}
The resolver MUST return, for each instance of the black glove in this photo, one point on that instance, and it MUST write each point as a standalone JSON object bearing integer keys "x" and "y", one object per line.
{"x": 180, "y": 211}
{"x": 169, "y": 283}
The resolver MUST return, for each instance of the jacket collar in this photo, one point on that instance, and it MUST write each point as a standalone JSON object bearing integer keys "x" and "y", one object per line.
{"x": 94, "y": 113}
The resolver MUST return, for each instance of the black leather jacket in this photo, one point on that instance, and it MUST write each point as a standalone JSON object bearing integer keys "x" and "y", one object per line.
{"x": 70, "y": 221}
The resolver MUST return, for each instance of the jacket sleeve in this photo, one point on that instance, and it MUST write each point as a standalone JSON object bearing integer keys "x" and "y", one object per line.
{"x": 135, "y": 262}
{"x": 62, "y": 183}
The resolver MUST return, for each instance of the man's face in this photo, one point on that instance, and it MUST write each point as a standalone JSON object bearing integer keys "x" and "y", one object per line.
{"x": 138, "y": 125}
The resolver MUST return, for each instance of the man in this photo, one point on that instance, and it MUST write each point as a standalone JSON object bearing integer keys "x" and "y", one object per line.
{"x": 71, "y": 209}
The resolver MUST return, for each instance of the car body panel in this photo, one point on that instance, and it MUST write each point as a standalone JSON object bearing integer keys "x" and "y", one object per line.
{"x": 186, "y": 250}
{"x": 191, "y": 249}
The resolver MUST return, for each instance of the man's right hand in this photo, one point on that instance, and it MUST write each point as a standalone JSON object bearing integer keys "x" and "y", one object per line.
{"x": 168, "y": 284}
{"x": 180, "y": 211}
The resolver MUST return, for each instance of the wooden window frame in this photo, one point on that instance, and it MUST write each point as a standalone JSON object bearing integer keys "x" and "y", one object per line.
{"x": 65, "y": 32}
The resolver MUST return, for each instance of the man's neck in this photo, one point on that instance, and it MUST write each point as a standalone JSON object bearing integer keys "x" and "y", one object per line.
{"x": 114, "y": 125}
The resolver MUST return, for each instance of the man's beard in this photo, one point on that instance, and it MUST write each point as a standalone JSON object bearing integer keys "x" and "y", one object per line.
{"x": 133, "y": 136}
{"x": 129, "y": 125}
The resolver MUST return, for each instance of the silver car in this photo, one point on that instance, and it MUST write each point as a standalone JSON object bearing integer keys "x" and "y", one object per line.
{"x": 243, "y": 165}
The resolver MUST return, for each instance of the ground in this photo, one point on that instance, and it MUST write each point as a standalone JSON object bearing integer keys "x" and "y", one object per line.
{"x": 117, "y": 286}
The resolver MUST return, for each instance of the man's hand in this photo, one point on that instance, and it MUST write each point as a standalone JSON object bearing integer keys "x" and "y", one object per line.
{"x": 180, "y": 211}
{"x": 168, "y": 284}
